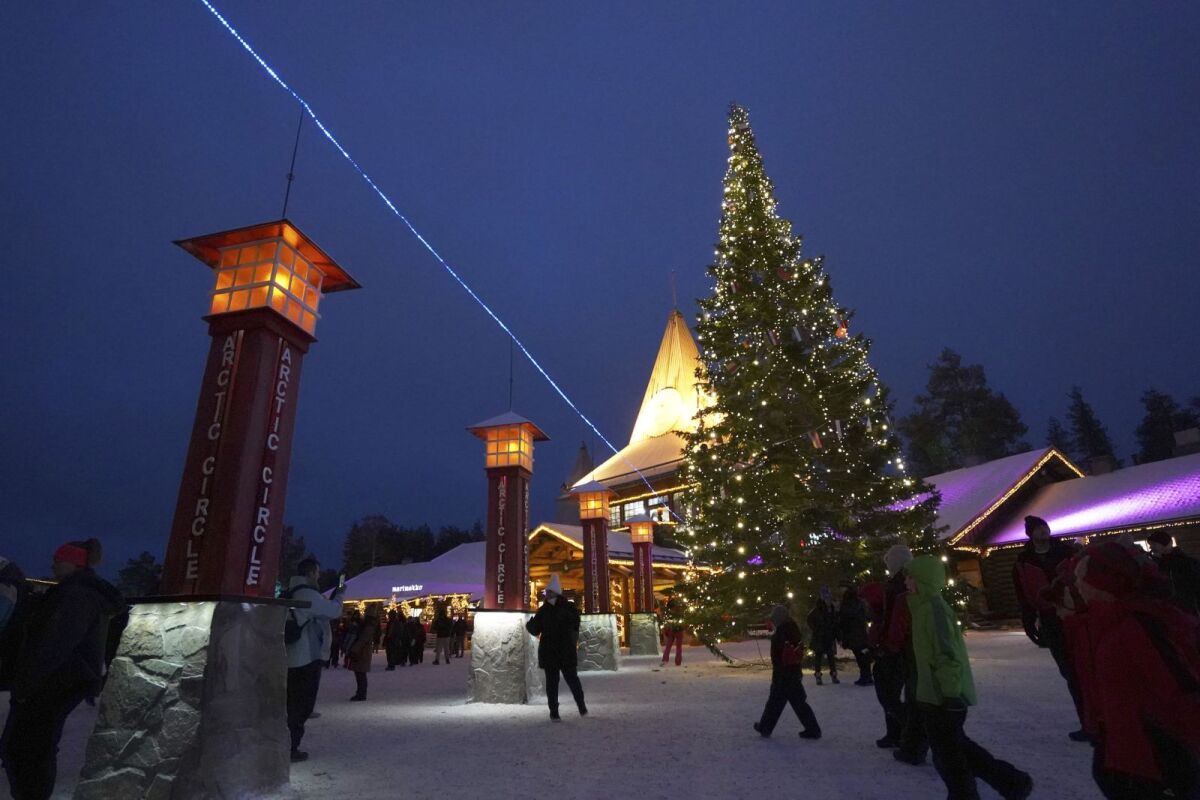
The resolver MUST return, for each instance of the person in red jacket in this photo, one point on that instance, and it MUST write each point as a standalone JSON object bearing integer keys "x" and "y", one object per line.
{"x": 1035, "y": 569}
{"x": 1143, "y": 677}
{"x": 889, "y": 638}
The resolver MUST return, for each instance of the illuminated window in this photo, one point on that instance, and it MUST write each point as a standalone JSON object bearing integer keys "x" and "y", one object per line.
{"x": 268, "y": 274}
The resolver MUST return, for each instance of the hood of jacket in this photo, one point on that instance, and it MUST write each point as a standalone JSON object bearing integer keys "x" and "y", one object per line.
{"x": 929, "y": 573}
{"x": 298, "y": 581}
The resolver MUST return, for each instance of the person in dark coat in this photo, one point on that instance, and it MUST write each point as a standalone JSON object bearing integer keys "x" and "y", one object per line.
{"x": 62, "y": 662}
{"x": 823, "y": 624}
{"x": 1035, "y": 569}
{"x": 1141, "y": 677}
{"x": 852, "y": 631}
{"x": 361, "y": 651}
{"x": 349, "y": 635}
{"x": 1181, "y": 571}
{"x": 557, "y": 625}
{"x": 460, "y": 636}
{"x": 14, "y": 608}
{"x": 391, "y": 640}
{"x": 337, "y": 630}
{"x": 443, "y": 632}
{"x": 787, "y": 653}
{"x": 416, "y": 648}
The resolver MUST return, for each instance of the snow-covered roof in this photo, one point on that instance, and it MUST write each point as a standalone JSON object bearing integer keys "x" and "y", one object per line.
{"x": 457, "y": 571}
{"x": 1135, "y": 497}
{"x": 460, "y": 571}
{"x": 650, "y": 457}
{"x": 971, "y": 494}
{"x": 670, "y": 406}
{"x": 508, "y": 418}
{"x": 619, "y": 545}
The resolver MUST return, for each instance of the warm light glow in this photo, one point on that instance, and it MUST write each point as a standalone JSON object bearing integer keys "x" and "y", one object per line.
{"x": 593, "y": 505}
{"x": 510, "y": 446}
{"x": 268, "y": 274}
{"x": 641, "y": 530}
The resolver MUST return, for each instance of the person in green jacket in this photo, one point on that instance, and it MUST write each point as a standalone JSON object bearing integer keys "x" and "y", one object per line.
{"x": 945, "y": 688}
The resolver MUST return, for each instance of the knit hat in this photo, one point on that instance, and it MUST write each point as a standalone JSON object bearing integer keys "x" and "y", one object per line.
{"x": 1032, "y": 522}
{"x": 896, "y": 557}
{"x": 554, "y": 586}
{"x": 72, "y": 554}
{"x": 1160, "y": 537}
{"x": 779, "y": 615}
{"x": 1117, "y": 569}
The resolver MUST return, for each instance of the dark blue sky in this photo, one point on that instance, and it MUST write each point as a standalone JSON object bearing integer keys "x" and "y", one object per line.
{"x": 1018, "y": 182}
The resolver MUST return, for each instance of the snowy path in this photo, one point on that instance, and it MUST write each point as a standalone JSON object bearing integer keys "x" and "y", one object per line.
{"x": 660, "y": 734}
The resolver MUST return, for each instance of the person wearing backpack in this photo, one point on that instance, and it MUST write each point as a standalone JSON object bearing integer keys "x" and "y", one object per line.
{"x": 60, "y": 664}
{"x": 787, "y": 651}
{"x": 305, "y": 632}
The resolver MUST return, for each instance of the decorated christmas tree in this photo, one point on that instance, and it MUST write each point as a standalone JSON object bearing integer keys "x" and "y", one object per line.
{"x": 798, "y": 477}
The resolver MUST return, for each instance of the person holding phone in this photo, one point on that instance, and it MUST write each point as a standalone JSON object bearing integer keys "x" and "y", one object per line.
{"x": 305, "y": 656}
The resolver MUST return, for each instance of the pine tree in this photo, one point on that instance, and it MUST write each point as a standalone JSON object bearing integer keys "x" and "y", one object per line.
{"x": 1087, "y": 432}
{"x": 1156, "y": 432}
{"x": 960, "y": 420}
{"x": 798, "y": 478}
{"x": 1057, "y": 437}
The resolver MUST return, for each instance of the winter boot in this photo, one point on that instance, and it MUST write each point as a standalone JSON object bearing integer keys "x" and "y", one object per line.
{"x": 1079, "y": 736}
{"x": 886, "y": 742}
{"x": 811, "y": 733}
{"x": 833, "y": 677}
{"x": 819, "y": 681}
{"x": 298, "y": 756}
{"x": 1021, "y": 789}
{"x": 761, "y": 732}
{"x": 908, "y": 758}
{"x": 554, "y": 717}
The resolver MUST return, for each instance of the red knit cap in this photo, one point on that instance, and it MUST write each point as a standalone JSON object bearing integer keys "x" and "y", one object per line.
{"x": 1114, "y": 568}
{"x": 72, "y": 554}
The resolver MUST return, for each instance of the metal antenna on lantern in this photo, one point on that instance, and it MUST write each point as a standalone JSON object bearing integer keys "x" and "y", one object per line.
{"x": 510, "y": 373}
{"x": 292, "y": 168}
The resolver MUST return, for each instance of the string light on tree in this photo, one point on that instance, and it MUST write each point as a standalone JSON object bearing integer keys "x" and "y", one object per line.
{"x": 796, "y": 465}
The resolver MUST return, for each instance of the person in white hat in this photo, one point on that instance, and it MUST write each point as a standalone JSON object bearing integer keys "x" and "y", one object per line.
{"x": 557, "y": 623}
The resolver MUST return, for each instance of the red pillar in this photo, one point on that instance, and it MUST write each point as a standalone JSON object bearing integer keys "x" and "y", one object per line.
{"x": 643, "y": 578}
{"x": 506, "y": 579}
{"x": 225, "y": 536}
{"x": 596, "y": 588}
{"x": 508, "y": 461}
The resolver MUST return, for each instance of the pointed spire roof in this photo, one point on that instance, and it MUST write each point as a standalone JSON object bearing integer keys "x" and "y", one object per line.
{"x": 673, "y": 394}
{"x": 673, "y": 397}
{"x": 583, "y": 465}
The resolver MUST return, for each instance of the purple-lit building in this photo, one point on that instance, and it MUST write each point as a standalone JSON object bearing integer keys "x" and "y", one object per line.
{"x": 984, "y": 507}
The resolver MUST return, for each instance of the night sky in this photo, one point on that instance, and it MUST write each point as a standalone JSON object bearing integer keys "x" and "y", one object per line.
{"x": 1020, "y": 183}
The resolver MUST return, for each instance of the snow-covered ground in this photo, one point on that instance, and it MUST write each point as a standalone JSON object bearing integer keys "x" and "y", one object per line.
{"x": 658, "y": 734}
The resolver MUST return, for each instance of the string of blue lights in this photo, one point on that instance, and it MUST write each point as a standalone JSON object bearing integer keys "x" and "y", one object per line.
{"x": 425, "y": 242}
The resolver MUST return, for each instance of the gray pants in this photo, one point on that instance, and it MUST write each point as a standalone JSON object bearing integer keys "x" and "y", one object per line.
{"x": 441, "y": 649}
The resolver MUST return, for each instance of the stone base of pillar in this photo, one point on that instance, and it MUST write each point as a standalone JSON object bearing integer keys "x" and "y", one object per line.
{"x": 643, "y": 635}
{"x": 194, "y": 706}
{"x": 503, "y": 660}
{"x": 599, "y": 642}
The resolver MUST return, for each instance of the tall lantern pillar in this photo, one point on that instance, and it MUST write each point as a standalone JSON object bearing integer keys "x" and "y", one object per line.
{"x": 599, "y": 639}
{"x": 503, "y": 656}
{"x": 194, "y": 704}
{"x": 643, "y": 623}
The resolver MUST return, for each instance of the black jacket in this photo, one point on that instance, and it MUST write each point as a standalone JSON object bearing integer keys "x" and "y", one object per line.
{"x": 1182, "y": 573}
{"x": 442, "y": 627}
{"x": 823, "y": 622}
{"x": 852, "y": 623}
{"x": 787, "y": 634}
{"x": 558, "y": 626}
{"x": 67, "y": 635}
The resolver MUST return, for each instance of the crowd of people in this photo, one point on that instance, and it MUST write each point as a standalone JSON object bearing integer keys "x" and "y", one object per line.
{"x": 1121, "y": 624}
